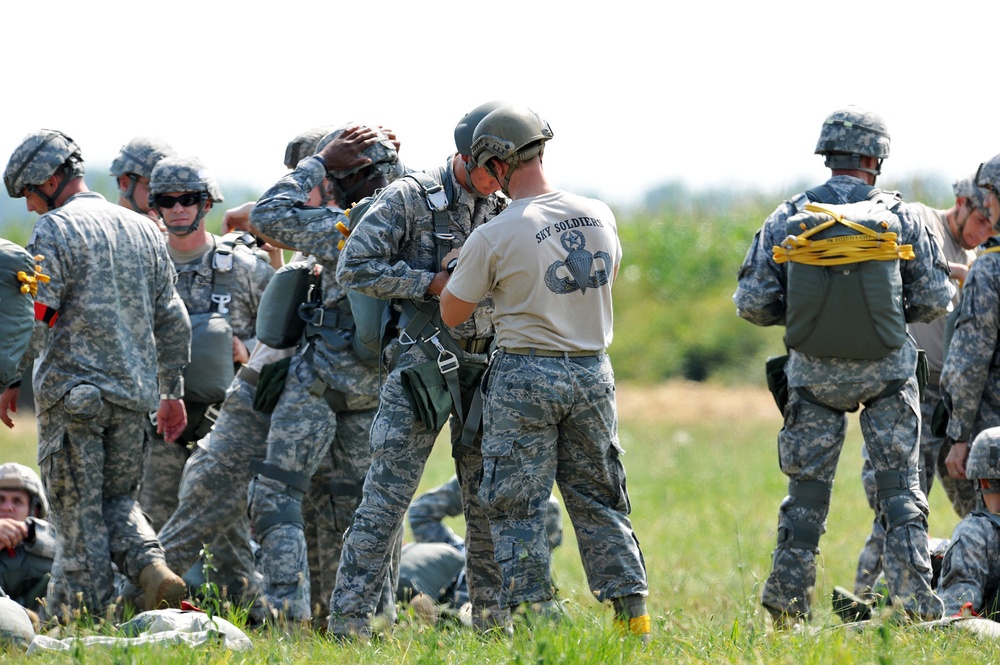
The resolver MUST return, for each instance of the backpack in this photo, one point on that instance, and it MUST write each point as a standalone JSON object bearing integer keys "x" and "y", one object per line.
{"x": 374, "y": 318}
{"x": 211, "y": 369}
{"x": 17, "y": 306}
{"x": 844, "y": 286}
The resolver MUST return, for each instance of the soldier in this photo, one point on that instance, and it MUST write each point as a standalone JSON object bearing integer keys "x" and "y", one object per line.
{"x": 970, "y": 572}
{"x": 957, "y": 232}
{"x": 551, "y": 385}
{"x": 19, "y": 278}
{"x": 221, "y": 282}
{"x": 970, "y": 383}
{"x": 213, "y": 491}
{"x": 824, "y": 381}
{"x": 112, "y": 335}
{"x": 329, "y": 395}
{"x": 28, "y": 540}
{"x": 398, "y": 251}
{"x": 132, "y": 168}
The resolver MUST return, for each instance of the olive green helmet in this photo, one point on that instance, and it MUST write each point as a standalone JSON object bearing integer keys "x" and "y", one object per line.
{"x": 37, "y": 159}
{"x": 14, "y": 476}
{"x": 984, "y": 456}
{"x": 512, "y": 134}
{"x": 140, "y": 156}
{"x": 466, "y": 127}
{"x": 304, "y": 145}
{"x": 851, "y": 133}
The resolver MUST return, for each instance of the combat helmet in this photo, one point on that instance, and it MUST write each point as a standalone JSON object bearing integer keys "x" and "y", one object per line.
{"x": 38, "y": 158}
{"x": 984, "y": 456}
{"x": 304, "y": 145}
{"x": 851, "y": 133}
{"x": 383, "y": 156}
{"x": 988, "y": 178}
{"x": 967, "y": 189}
{"x": 136, "y": 159}
{"x": 511, "y": 134}
{"x": 14, "y": 476}
{"x": 464, "y": 130}
{"x": 184, "y": 174}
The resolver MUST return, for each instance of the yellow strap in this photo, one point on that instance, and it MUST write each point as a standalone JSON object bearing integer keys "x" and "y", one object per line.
{"x": 866, "y": 245}
{"x": 636, "y": 625}
{"x": 29, "y": 283}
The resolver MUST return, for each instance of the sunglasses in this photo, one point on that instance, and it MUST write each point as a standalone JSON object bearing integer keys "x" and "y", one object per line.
{"x": 188, "y": 199}
{"x": 989, "y": 486}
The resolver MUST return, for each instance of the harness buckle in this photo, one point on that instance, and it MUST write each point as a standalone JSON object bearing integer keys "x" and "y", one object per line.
{"x": 222, "y": 261}
{"x": 221, "y": 301}
{"x": 405, "y": 339}
{"x": 446, "y": 360}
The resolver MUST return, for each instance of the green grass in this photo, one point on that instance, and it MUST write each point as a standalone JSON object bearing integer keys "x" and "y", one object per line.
{"x": 704, "y": 493}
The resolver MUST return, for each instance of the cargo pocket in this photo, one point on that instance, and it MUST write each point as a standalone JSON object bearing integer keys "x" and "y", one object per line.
{"x": 83, "y": 402}
{"x": 500, "y": 486}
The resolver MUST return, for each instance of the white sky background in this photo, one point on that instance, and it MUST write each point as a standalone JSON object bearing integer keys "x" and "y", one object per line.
{"x": 712, "y": 94}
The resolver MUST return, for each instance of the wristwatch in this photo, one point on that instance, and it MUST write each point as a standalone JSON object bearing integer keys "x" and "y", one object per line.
{"x": 451, "y": 265}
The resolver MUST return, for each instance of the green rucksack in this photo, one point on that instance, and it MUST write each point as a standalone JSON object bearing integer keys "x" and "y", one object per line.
{"x": 844, "y": 287}
{"x": 18, "y": 308}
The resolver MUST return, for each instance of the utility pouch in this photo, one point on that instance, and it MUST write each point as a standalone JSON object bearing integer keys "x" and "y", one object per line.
{"x": 923, "y": 372}
{"x": 211, "y": 369}
{"x": 777, "y": 380}
{"x": 427, "y": 391}
{"x": 939, "y": 420}
{"x": 270, "y": 383}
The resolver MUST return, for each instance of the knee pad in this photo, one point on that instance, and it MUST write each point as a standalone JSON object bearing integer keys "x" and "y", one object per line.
{"x": 896, "y": 500}
{"x": 296, "y": 486}
{"x": 805, "y": 533}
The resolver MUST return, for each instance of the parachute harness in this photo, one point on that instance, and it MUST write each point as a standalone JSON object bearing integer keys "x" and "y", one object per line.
{"x": 866, "y": 245}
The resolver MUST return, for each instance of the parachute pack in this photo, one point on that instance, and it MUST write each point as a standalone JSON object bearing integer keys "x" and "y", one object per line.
{"x": 19, "y": 277}
{"x": 845, "y": 291}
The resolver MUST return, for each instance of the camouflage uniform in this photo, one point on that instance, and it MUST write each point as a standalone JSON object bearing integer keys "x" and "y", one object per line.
{"x": 970, "y": 572}
{"x": 164, "y": 462}
{"x": 393, "y": 254}
{"x": 121, "y": 336}
{"x": 821, "y": 391}
{"x": 25, "y": 569}
{"x": 305, "y": 423}
{"x": 970, "y": 382}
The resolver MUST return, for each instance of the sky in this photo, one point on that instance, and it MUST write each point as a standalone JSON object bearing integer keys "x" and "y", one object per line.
{"x": 638, "y": 94}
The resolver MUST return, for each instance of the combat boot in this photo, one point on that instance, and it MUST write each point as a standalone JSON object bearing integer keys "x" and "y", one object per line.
{"x": 632, "y": 617}
{"x": 161, "y": 586}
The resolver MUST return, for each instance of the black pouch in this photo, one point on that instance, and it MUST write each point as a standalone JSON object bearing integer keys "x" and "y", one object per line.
{"x": 777, "y": 381}
{"x": 939, "y": 421}
{"x": 923, "y": 372}
{"x": 270, "y": 384}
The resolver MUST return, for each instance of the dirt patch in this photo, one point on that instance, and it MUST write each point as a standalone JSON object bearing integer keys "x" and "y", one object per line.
{"x": 690, "y": 402}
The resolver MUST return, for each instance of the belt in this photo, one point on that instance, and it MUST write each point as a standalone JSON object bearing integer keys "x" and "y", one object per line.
{"x": 548, "y": 353}
{"x": 248, "y": 375}
{"x": 474, "y": 345}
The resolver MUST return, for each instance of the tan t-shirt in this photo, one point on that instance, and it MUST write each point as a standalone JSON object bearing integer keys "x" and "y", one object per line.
{"x": 549, "y": 261}
{"x": 930, "y": 336}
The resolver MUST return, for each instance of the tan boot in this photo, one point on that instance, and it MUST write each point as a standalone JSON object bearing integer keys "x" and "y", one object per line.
{"x": 161, "y": 586}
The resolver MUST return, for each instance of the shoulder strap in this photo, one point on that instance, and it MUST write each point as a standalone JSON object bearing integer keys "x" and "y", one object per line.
{"x": 439, "y": 200}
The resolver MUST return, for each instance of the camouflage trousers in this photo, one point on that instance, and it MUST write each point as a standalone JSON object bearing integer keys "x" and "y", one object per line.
{"x": 933, "y": 452}
{"x": 162, "y": 467}
{"x": 970, "y": 572}
{"x": 303, "y": 430}
{"x": 554, "y": 420}
{"x": 90, "y": 453}
{"x": 400, "y": 446}
{"x": 809, "y": 446}
{"x": 212, "y": 500}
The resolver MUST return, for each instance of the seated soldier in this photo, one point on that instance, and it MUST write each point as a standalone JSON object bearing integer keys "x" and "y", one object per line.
{"x": 28, "y": 541}
{"x": 434, "y": 565}
{"x": 970, "y": 572}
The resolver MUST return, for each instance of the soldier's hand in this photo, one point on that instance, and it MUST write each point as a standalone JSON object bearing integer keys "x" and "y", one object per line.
{"x": 955, "y": 461}
{"x": 12, "y": 532}
{"x": 453, "y": 254}
{"x": 238, "y": 218}
{"x": 8, "y": 405}
{"x": 342, "y": 153}
{"x": 240, "y": 353}
{"x": 392, "y": 136}
{"x": 171, "y": 419}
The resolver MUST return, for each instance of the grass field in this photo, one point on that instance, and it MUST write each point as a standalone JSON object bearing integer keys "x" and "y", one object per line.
{"x": 705, "y": 486}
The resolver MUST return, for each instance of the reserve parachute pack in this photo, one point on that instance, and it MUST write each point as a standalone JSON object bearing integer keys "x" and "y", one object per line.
{"x": 211, "y": 369}
{"x": 374, "y": 318}
{"x": 845, "y": 289}
{"x": 278, "y": 322}
{"x": 19, "y": 277}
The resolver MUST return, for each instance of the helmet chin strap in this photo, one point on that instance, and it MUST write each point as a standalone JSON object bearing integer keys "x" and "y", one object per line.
{"x": 129, "y": 194}
{"x": 467, "y": 184}
{"x": 182, "y": 231}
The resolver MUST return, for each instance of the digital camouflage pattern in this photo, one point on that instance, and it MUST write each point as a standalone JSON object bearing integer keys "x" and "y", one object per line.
{"x": 984, "y": 456}
{"x": 391, "y": 253}
{"x": 121, "y": 338}
{"x": 854, "y": 130}
{"x": 382, "y": 153}
{"x": 164, "y": 463}
{"x": 25, "y": 569}
{"x": 304, "y": 426}
{"x": 966, "y": 188}
{"x": 554, "y": 420}
{"x": 970, "y": 572}
{"x": 823, "y": 389}
{"x": 988, "y": 175}
{"x": 970, "y": 383}
{"x": 37, "y": 158}
{"x": 304, "y": 145}
{"x": 140, "y": 156}
{"x": 182, "y": 173}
